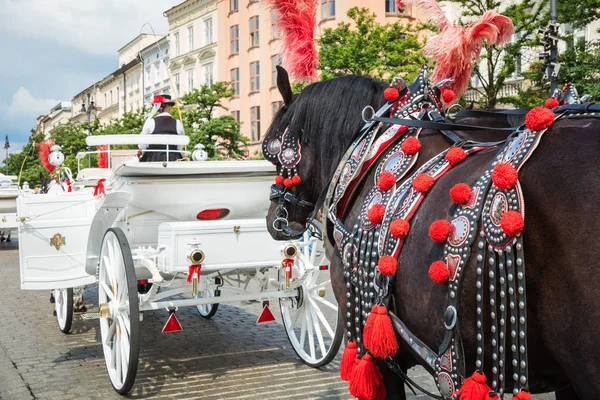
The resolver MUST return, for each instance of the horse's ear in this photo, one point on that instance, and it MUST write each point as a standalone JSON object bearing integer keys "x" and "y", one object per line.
{"x": 284, "y": 86}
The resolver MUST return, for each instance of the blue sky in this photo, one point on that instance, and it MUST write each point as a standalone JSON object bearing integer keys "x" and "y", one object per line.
{"x": 53, "y": 49}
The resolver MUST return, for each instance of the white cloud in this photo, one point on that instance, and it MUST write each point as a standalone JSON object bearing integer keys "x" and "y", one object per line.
{"x": 94, "y": 26}
{"x": 26, "y": 105}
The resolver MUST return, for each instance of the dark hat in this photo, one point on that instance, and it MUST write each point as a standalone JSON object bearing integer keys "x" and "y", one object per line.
{"x": 164, "y": 99}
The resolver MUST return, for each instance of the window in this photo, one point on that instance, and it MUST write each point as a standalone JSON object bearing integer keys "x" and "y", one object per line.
{"x": 234, "y": 33}
{"x": 176, "y": 77}
{"x": 275, "y": 33}
{"x": 208, "y": 31}
{"x": 111, "y": 98}
{"x": 236, "y": 115}
{"x": 276, "y": 105}
{"x": 190, "y": 79}
{"x": 255, "y": 123}
{"x": 235, "y": 81}
{"x": 191, "y": 38}
{"x": 275, "y": 61}
{"x": 208, "y": 74}
{"x": 234, "y": 5}
{"x": 254, "y": 76}
{"x": 390, "y": 7}
{"x": 327, "y": 9}
{"x": 148, "y": 76}
{"x": 177, "y": 44}
{"x": 105, "y": 101}
{"x": 254, "y": 31}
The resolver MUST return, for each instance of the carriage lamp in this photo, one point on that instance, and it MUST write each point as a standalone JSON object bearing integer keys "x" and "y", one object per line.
{"x": 289, "y": 252}
{"x": 196, "y": 258}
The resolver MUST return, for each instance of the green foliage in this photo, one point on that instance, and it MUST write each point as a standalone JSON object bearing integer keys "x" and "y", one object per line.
{"x": 32, "y": 166}
{"x": 204, "y": 102}
{"x": 365, "y": 47}
{"x": 578, "y": 13}
{"x": 130, "y": 123}
{"x": 71, "y": 137}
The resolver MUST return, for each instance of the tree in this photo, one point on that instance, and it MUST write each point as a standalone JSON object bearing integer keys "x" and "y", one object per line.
{"x": 218, "y": 135}
{"x": 365, "y": 47}
{"x": 498, "y": 64}
{"x": 28, "y": 159}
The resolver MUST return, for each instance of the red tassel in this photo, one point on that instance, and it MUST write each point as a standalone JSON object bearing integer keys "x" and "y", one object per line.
{"x": 378, "y": 334}
{"x": 474, "y": 388}
{"x": 366, "y": 382}
{"x": 194, "y": 268}
{"x": 348, "y": 361}
{"x": 99, "y": 189}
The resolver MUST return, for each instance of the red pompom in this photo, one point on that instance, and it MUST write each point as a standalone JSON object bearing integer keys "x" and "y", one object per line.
{"x": 348, "y": 360}
{"x": 376, "y": 214}
{"x": 539, "y": 118}
{"x": 551, "y": 103}
{"x": 378, "y": 333}
{"x": 439, "y": 230}
{"x": 448, "y": 96}
{"x": 288, "y": 183}
{"x": 522, "y": 395}
{"x": 474, "y": 388}
{"x": 505, "y": 176}
{"x": 296, "y": 179}
{"x": 391, "y": 94}
{"x": 399, "y": 228}
{"x": 386, "y": 181}
{"x": 512, "y": 223}
{"x": 455, "y": 155}
{"x": 388, "y": 265}
{"x": 439, "y": 272}
{"x": 422, "y": 183}
{"x": 460, "y": 193}
{"x": 279, "y": 179}
{"x": 366, "y": 382}
{"x": 411, "y": 145}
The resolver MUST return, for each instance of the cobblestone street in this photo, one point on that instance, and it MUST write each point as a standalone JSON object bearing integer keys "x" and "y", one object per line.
{"x": 228, "y": 357}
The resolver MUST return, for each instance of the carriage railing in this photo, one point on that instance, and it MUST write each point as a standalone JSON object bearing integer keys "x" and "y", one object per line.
{"x": 119, "y": 140}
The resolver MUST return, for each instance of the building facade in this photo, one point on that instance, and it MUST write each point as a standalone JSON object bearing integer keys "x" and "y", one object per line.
{"x": 155, "y": 60}
{"x": 194, "y": 45}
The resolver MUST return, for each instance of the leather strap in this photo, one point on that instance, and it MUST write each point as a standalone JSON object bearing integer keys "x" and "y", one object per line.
{"x": 439, "y": 125}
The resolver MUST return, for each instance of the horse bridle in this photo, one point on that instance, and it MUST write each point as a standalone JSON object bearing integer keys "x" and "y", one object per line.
{"x": 284, "y": 197}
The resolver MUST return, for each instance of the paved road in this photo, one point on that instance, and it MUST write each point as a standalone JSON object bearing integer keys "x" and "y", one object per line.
{"x": 228, "y": 357}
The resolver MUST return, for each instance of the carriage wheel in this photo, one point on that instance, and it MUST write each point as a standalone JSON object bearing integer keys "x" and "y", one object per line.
{"x": 207, "y": 310}
{"x": 119, "y": 310}
{"x": 63, "y": 306}
{"x": 312, "y": 319}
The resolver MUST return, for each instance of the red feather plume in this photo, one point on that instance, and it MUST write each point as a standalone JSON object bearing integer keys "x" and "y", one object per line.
{"x": 297, "y": 20}
{"x": 43, "y": 153}
{"x": 456, "y": 48}
{"x": 102, "y": 156}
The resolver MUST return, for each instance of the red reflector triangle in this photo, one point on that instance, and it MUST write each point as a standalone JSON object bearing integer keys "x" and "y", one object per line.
{"x": 265, "y": 316}
{"x": 172, "y": 324}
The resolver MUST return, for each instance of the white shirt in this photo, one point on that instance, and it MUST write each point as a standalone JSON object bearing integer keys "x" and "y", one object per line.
{"x": 149, "y": 128}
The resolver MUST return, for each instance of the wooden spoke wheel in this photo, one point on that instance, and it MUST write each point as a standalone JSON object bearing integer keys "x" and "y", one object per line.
{"x": 207, "y": 310}
{"x": 312, "y": 319}
{"x": 63, "y": 306}
{"x": 119, "y": 310}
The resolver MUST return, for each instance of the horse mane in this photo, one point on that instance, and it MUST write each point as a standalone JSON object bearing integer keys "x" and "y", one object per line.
{"x": 327, "y": 115}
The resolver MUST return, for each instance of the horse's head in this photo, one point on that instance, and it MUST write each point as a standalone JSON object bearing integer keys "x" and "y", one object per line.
{"x": 306, "y": 140}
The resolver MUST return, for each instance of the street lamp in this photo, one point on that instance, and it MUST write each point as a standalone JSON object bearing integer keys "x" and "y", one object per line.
{"x": 91, "y": 108}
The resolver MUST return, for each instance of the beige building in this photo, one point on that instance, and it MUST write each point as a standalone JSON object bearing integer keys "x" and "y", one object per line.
{"x": 194, "y": 45}
{"x": 59, "y": 114}
{"x": 249, "y": 52}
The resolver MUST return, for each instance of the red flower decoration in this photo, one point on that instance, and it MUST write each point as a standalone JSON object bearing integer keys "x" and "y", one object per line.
{"x": 439, "y": 230}
{"x": 455, "y": 155}
{"x": 522, "y": 395}
{"x": 376, "y": 213}
{"x": 296, "y": 179}
{"x": 505, "y": 176}
{"x": 288, "y": 183}
{"x": 279, "y": 179}
{"x": 439, "y": 272}
{"x": 448, "y": 96}
{"x": 391, "y": 94}
{"x": 512, "y": 223}
{"x": 551, "y": 103}
{"x": 422, "y": 183}
{"x": 399, "y": 228}
{"x": 411, "y": 146}
{"x": 388, "y": 265}
{"x": 386, "y": 181}
{"x": 539, "y": 118}
{"x": 460, "y": 193}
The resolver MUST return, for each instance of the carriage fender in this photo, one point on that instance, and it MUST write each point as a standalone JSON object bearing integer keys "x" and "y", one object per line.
{"x": 113, "y": 205}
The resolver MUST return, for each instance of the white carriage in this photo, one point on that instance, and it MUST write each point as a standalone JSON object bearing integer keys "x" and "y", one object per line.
{"x": 9, "y": 191}
{"x": 161, "y": 225}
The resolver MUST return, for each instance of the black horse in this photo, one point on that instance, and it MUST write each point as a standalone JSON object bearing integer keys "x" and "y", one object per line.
{"x": 559, "y": 236}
